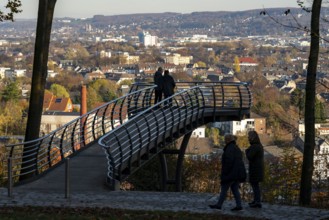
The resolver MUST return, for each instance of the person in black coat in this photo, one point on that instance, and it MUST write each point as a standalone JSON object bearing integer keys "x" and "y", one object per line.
{"x": 168, "y": 86}
{"x": 158, "y": 80}
{"x": 233, "y": 172}
{"x": 255, "y": 155}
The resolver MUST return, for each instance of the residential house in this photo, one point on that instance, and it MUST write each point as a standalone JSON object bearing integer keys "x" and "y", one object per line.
{"x": 255, "y": 122}
{"x": 51, "y": 121}
{"x": 214, "y": 77}
{"x": 199, "y": 148}
{"x": 199, "y": 132}
{"x": 97, "y": 74}
{"x": 3, "y": 71}
{"x": 285, "y": 85}
{"x": 52, "y": 74}
{"x": 178, "y": 59}
{"x": 10, "y": 74}
{"x": 320, "y": 128}
{"x": 198, "y": 71}
{"x": 52, "y": 103}
{"x": 132, "y": 59}
{"x": 273, "y": 151}
{"x": 230, "y": 79}
{"x": 247, "y": 61}
{"x": 119, "y": 77}
{"x": 321, "y": 156}
{"x": 68, "y": 64}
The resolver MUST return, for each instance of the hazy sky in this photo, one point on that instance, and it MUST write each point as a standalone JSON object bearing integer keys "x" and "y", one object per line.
{"x": 88, "y": 8}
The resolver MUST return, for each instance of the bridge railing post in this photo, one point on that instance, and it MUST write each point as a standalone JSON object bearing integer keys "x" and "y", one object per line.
{"x": 67, "y": 178}
{"x": 10, "y": 177}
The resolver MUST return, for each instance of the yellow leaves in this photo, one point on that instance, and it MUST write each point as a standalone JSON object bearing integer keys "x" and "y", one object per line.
{"x": 11, "y": 119}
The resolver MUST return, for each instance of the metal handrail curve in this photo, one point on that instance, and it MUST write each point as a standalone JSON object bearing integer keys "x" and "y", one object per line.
{"x": 155, "y": 126}
{"x": 45, "y": 152}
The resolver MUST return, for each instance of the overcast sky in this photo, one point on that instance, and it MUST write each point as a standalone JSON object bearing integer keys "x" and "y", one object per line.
{"x": 88, "y": 8}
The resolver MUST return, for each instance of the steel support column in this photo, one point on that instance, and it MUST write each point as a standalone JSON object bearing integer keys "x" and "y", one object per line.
{"x": 179, "y": 165}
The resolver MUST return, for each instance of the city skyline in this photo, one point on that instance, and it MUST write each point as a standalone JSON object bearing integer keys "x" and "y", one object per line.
{"x": 87, "y": 9}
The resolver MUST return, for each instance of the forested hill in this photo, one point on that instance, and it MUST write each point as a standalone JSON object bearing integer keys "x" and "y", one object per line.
{"x": 212, "y": 24}
{"x": 222, "y": 23}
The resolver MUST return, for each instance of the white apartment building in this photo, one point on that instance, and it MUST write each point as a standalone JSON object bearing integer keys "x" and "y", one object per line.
{"x": 255, "y": 122}
{"x": 147, "y": 39}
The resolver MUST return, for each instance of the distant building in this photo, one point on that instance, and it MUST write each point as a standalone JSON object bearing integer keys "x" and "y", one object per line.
{"x": 51, "y": 121}
{"x": 199, "y": 132}
{"x": 320, "y": 128}
{"x": 120, "y": 77}
{"x": 97, "y": 74}
{"x": 177, "y": 59}
{"x": 214, "y": 77}
{"x": 4, "y": 42}
{"x": 104, "y": 53}
{"x": 247, "y": 61}
{"x": 321, "y": 156}
{"x": 10, "y": 74}
{"x": 52, "y": 103}
{"x": 51, "y": 73}
{"x": 199, "y": 148}
{"x": 254, "y": 123}
{"x": 147, "y": 39}
{"x": 3, "y": 72}
{"x": 132, "y": 59}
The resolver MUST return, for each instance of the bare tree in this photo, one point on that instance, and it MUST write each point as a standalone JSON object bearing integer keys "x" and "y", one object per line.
{"x": 308, "y": 155}
{"x": 309, "y": 114}
{"x": 44, "y": 24}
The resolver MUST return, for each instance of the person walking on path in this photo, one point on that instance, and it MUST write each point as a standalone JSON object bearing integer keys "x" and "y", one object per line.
{"x": 168, "y": 86}
{"x": 255, "y": 156}
{"x": 158, "y": 80}
{"x": 233, "y": 172}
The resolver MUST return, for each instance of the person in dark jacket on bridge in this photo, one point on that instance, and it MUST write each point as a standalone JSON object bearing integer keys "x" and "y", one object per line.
{"x": 255, "y": 156}
{"x": 158, "y": 80}
{"x": 233, "y": 173}
{"x": 168, "y": 86}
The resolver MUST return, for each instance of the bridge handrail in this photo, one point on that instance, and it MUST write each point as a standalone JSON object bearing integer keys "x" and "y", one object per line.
{"x": 140, "y": 131}
{"x": 230, "y": 95}
{"x": 35, "y": 157}
{"x": 49, "y": 150}
{"x": 135, "y": 135}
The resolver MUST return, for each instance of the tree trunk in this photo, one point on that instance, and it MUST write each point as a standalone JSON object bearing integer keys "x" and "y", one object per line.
{"x": 307, "y": 169}
{"x": 41, "y": 49}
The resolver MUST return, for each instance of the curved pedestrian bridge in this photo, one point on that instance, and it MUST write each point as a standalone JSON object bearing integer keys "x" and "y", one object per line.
{"x": 74, "y": 166}
{"x": 129, "y": 131}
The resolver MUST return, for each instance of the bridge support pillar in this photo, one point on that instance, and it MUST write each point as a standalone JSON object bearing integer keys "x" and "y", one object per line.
{"x": 177, "y": 181}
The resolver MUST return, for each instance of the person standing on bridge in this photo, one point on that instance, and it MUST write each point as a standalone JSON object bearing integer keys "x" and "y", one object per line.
{"x": 158, "y": 81}
{"x": 168, "y": 86}
{"x": 255, "y": 156}
{"x": 233, "y": 172}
